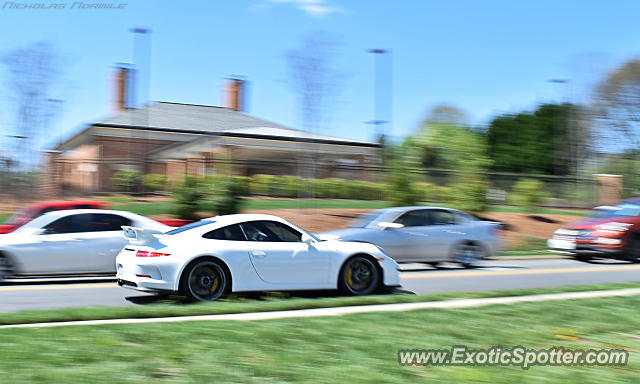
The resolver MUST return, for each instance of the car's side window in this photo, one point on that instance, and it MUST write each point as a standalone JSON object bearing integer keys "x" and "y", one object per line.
{"x": 463, "y": 218}
{"x": 416, "y": 218}
{"x": 107, "y": 222}
{"x": 230, "y": 232}
{"x": 442, "y": 217}
{"x": 271, "y": 231}
{"x": 69, "y": 224}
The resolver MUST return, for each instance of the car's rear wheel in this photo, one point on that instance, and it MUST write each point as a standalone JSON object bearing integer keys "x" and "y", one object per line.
{"x": 205, "y": 280}
{"x": 359, "y": 276}
{"x": 6, "y": 267}
{"x": 468, "y": 253}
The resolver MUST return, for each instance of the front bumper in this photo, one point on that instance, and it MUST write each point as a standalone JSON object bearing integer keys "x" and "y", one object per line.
{"x": 584, "y": 249}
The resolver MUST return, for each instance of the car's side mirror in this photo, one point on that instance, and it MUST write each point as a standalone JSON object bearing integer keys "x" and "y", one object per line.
{"x": 307, "y": 239}
{"x": 386, "y": 225}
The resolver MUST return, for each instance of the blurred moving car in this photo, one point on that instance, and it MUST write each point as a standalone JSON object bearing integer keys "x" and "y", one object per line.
{"x": 68, "y": 242}
{"x": 608, "y": 232}
{"x": 424, "y": 234}
{"x": 248, "y": 252}
{"x": 32, "y": 211}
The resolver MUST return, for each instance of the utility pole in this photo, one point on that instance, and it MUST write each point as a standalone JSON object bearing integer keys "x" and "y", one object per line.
{"x": 378, "y": 100}
{"x": 141, "y": 78}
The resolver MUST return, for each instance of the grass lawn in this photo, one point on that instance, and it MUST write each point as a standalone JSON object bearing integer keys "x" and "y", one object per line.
{"x": 166, "y": 207}
{"x": 541, "y": 210}
{"x": 357, "y": 348}
{"x": 527, "y": 245}
{"x": 276, "y": 301}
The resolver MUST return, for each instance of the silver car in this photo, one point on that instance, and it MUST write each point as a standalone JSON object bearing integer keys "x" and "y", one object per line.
{"x": 77, "y": 241}
{"x": 424, "y": 234}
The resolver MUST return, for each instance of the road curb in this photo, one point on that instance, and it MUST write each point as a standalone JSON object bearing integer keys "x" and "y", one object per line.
{"x": 349, "y": 310}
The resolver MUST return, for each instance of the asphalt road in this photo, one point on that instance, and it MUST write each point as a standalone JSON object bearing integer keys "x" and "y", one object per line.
{"x": 491, "y": 275}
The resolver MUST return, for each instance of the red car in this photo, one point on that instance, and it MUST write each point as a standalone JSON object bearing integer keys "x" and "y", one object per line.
{"x": 32, "y": 211}
{"x": 610, "y": 232}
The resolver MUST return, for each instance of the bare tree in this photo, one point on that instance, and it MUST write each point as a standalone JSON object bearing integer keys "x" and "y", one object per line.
{"x": 447, "y": 114}
{"x": 33, "y": 70}
{"x": 618, "y": 103}
{"x": 314, "y": 80}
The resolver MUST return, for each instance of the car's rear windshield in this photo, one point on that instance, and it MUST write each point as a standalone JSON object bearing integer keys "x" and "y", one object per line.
{"x": 189, "y": 226}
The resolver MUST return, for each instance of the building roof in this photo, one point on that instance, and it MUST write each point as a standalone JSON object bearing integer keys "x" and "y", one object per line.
{"x": 208, "y": 120}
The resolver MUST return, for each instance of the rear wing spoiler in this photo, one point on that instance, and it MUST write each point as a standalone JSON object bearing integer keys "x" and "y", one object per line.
{"x": 137, "y": 235}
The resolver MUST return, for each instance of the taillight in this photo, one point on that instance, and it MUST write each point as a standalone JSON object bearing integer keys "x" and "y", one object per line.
{"x": 150, "y": 254}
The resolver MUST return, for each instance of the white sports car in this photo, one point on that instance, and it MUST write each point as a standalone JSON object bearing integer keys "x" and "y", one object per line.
{"x": 68, "y": 242}
{"x": 248, "y": 252}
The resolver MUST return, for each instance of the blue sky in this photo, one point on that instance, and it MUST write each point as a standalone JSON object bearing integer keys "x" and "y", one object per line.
{"x": 485, "y": 57}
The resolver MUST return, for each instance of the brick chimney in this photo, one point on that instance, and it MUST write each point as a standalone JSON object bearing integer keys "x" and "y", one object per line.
{"x": 234, "y": 94}
{"x": 123, "y": 88}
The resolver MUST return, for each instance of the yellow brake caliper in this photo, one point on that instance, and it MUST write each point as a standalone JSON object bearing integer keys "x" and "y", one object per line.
{"x": 214, "y": 286}
{"x": 349, "y": 281}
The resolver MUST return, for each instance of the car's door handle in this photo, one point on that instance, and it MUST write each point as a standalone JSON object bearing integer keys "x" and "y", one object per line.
{"x": 258, "y": 254}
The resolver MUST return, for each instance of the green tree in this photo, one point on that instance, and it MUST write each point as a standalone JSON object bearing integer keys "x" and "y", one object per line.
{"x": 538, "y": 142}
{"x": 450, "y": 146}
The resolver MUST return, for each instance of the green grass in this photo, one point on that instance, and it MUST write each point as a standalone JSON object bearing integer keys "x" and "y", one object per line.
{"x": 167, "y": 207}
{"x": 147, "y": 209}
{"x": 268, "y": 302}
{"x": 540, "y": 210}
{"x": 356, "y": 348}
{"x": 251, "y": 204}
{"x": 4, "y": 217}
{"x": 118, "y": 199}
{"x": 528, "y": 244}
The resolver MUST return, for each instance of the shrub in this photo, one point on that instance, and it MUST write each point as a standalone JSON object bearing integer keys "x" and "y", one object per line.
{"x": 228, "y": 196}
{"x": 402, "y": 191}
{"x": 469, "y": 192}
{"x": 260, "y": 184}
{"x": 154, "y": 182}
{"x": 242, "y": 184}
{"x": 528, "y": 193}
{"x": 187, "y": 198}
{"x": 127, "y": 180}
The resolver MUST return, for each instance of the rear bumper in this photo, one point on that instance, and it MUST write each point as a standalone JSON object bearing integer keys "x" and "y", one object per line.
{"x": 155, "y": 274}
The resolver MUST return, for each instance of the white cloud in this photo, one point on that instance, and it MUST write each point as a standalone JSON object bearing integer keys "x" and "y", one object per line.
{"x": 315, "y": 8}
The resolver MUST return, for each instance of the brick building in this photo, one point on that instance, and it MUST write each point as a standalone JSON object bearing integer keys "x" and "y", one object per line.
{"x": 185, "y": 139}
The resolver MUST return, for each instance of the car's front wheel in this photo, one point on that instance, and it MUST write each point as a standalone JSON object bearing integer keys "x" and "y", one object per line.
{"x": 204, "y": 280}
{"x": 633, "y": 249}
{"x": 359, "y": 276}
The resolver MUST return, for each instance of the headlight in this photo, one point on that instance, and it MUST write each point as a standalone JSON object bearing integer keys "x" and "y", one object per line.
{"x": 613, "y": 227}
{"x": 608, "y": 241}
{"x": 566, "y": 232}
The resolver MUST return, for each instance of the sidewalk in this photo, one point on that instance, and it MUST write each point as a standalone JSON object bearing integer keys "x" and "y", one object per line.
{"x": 341, "y": 311}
